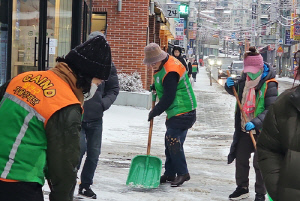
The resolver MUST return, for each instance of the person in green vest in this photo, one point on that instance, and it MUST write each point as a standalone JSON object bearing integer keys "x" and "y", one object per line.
{"x": 40, "y": 119}
{"x": 194, "y": 69}
{"x": 177, "y": 99}
{"x": 257, "y": 89}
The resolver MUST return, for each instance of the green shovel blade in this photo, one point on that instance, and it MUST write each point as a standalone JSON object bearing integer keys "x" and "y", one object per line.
{"x": 144, "y": 172}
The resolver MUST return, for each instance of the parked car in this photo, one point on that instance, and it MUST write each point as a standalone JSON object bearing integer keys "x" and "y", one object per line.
{"x": 222, "y": 72}
{"x": 236, "y": 69}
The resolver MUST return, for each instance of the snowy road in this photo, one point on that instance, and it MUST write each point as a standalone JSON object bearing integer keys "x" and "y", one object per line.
{"x": 206, "y": 147}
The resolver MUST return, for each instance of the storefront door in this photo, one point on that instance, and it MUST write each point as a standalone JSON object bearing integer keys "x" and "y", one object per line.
{"x": 26, "y": 22}
{"x": 3, "y": 40}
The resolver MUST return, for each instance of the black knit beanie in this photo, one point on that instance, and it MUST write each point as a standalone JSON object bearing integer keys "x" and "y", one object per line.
{"x": 91, "y": 58}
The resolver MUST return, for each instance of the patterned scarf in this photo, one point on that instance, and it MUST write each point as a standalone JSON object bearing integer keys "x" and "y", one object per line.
{"x": 249, "y": 99}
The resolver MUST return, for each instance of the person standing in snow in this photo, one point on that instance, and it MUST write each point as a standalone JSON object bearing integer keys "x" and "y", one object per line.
{"x": 194, "y": 70}
{"x": 176, "y": 52}
{"x": 257, "y": 90}
{"x": 278, "y": 146}
{"x": 43, "y": 110}
{"x": 189, "y": 65}
{"x": 177, "y": 99}
{"x": 91, "y": 131}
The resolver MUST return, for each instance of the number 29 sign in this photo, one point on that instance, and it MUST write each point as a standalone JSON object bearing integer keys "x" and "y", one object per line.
{"x": 171, "y": 10}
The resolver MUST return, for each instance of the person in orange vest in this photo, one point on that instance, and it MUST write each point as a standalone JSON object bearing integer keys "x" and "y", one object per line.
{"x": 257, "y": 90}
{"x": 43, "y": 110}
{"x": 195, "y": 69}
{"x": 177, "y": 99}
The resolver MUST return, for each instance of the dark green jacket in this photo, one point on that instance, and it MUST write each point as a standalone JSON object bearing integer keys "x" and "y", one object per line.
{"x": 63, "y": 150}
{"x": 278, "y": 147}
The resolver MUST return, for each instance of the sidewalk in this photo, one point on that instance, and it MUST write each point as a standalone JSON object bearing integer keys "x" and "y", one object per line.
{"x": 207, "y": 146}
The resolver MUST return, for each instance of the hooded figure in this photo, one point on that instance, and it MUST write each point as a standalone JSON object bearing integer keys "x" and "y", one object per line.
{"x": 257, "y": 90}
{"x": 43, "y": 110}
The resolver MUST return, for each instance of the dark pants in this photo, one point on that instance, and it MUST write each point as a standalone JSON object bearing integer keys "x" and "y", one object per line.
{"x": 90, "y": 143}
{"x": 21, "y": 191}
{"x": 175, "y": 158}
{"x": 194, "y": 74}
{"x": 243, "y": 153}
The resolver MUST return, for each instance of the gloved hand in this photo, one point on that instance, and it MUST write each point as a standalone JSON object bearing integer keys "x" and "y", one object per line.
{"x": 150, "y": 116}
{"x": 152, "y": 87}
{"x": 249, "y": 126}
{"x": 229, "y": 82}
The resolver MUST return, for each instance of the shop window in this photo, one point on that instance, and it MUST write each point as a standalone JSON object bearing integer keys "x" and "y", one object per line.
{"x": 99, "y": 22}
{"x": 59, "y": 25}
{"x": 25, "y": 33}
{"x": 3, "y": 40}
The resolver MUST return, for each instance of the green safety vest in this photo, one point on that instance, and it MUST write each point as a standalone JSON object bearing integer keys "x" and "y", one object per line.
{"x": 185, "y": 100}
{"x": 30, "y": 99}
{"x": 194, "y": 68}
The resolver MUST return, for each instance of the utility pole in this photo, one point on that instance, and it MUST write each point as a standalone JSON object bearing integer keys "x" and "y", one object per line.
{"x": 254, "y": 17}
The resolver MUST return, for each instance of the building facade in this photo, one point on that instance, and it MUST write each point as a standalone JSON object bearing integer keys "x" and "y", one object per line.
{"x": 34, "y": 32}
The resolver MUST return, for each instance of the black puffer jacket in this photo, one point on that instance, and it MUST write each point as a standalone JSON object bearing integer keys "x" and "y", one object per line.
{"x": 270, "y": 97}
{"x": 278, "y": 147}
{"x": 104, "y": 97}
{"x": 180, "y": 58}
{"x": 63, "y": 151}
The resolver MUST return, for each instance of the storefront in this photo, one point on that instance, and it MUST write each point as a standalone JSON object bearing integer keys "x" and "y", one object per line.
{"x": 34, "y": 32}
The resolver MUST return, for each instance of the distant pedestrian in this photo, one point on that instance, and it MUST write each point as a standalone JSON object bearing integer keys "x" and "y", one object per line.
{"x": 40, "y": 119}
{"x": 257, "y": 90}
{"x": 92, "y": 126}
{"x": 176, "y": 52}
{"x": 278, "y": 146}
{"x": 177, "y": 99}
{"x": 195, "y": 70}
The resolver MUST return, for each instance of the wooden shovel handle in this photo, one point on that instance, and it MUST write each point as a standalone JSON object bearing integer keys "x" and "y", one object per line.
{"x": 242, "y": 111}
{"x": 150, "y": 131}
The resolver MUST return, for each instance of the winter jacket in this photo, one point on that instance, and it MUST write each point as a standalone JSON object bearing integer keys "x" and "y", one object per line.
{"x": 278, "y": 147}
{"x": 180, "y": 58}
{"x": 63, "y": 151}
{"x": 104, "y": 97}
{"x": 270, "y": 95}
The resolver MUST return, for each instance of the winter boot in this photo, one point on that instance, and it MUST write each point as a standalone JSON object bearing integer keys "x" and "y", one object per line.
{"x": 87, "y": 192}
{"x": 165, "y": 178}
{"x": 239, "y": 193}
{"x": 179, "y": 180}
{"x": 259, "y": 197}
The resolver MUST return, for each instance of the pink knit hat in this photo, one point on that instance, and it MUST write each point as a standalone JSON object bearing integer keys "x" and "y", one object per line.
{"x": 153, "y": 54}
{"x": 252, "y": 64}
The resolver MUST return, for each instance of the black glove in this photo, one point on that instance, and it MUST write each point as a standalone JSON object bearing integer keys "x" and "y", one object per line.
{"x": 152, "y": 87}
{"x": 150, "y": 116}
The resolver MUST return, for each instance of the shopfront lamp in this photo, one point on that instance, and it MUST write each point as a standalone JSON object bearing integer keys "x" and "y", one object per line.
{"x": 119, "y": 5}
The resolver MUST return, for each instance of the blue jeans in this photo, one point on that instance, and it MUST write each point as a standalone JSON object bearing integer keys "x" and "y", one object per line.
{"x": 90, "y": 143}
{"x": 175, "y": 158}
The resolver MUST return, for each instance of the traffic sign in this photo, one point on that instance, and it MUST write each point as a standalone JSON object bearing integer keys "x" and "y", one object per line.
{"x": 279, "y": 49}
{"x": 280, "y": 41}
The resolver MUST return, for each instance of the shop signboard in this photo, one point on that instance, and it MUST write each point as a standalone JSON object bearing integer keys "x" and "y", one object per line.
{"x": 179, "y": 28}
{"x": 171, "y": 10}
{"x": 297, "y": 31}
{"x": 287, "y": 37}
{"x": 292, "y": 26}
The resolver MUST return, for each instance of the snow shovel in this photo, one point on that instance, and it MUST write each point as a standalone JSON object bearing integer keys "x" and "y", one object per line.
{"x": 145, "y": 170}
{"x": 243, "y": 113}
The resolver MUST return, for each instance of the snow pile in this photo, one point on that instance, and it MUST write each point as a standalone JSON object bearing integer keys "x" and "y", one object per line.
{"x": 130, "y": 82}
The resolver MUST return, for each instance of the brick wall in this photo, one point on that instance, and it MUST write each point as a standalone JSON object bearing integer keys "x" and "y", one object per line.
{"x": 127, "y": 34}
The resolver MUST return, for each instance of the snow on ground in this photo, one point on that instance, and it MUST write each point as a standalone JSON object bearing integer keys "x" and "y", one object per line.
{"x": 207, "y": 145}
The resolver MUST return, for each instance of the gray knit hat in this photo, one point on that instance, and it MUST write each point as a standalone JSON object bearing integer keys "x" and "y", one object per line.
{"x": 153, "y": 54}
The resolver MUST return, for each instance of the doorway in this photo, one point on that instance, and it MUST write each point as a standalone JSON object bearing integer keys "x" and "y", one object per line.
{"x": 52, "y": 21}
